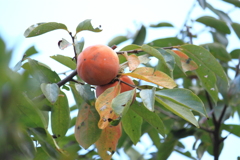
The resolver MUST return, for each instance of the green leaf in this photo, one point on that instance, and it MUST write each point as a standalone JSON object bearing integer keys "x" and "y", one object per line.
{"x": 209, "y": 81}
{"x": 50, "y": 91}
{"x": 140, "y": 36}
{"x": 232, "y": 128}
{"x": 219, "y": 25}
{"x": 78, "y": 99}
{"x": 166, "y": 42}
{"x": 156, "y": 53}
{"x": 133, "y": 154}
{"x": 41, "y": 28}
{"x": 235, "y": 54}
{"x": 169, "y": 59}
{"x": 86, "y": 128}
{"x": 234, "y": 2}
{"x": 183, "y": 97}
{"x": 117, "y": 40}
{"x": 132, "y": 123}
{"x": 218, "y": 51}
{"x": 65, "y": 60}
{"x": 177, "y": 59}
{"x": 236, "y": 28}
{"x": 121, "y": 103}
{"x": 60, "y": 116}
{"x": 220, "y": 38}
{"x": 152, "y": 118}
{"x": 79, "y": 45}
{"x": 30, "y": 51}
{"x": 42, "y": 73}
{"x": 29, "y": 114}
{"x": 147, "y": 96}
{"x": 178, "y": 109}
{"x": 41, "y": 154}
{"x": 202, "y": 56}
{"x": 167, "y": 147}
{"x": 208, "y": 67}
{"x": 85, "y": 91}
{"x": 234, "y": 91}
{"x": 222, "y": 15}
{"x": 122, "y": 59}
{"x": 87, "y": 26}
{"x": 201, "y": 150}
{"x": 46, "y": 141}
{"x": 202, "y": 3}
{"x": 161, "y": 24}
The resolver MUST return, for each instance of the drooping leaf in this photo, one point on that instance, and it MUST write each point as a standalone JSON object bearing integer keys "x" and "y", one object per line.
{"x": 121, "y": 103}
{"x": 50, "y": 91}
{"x": 107, "y": 143}
{"x": 219, "y": 25}
{"x": 201, "y": 150}
{"x": 178, "y": 109}
{"x": 132, "y": 123}
{"x": 234, "y": 91}
{"x": 152, "y": 118}
{"x": 140, "y": 36}
{"x": 218, "y": 51}
{"x": 156, "y": 77}
{"x": 103, "y": 105}
{"x": 235, "y": 54}
{"x": 78, "y": 99}
{"x": 65, "y": 60}
{"x": 166, "y": 147}
{"x": 177, "y": 60}
{"x": 85, "y": 92}
{"x": 62, "y": 44}
{"x": 41, "y": 28}
{"x": 220, "y": 38}
{"x": 42, "y": 73}
{"x": 236, "y": 28}
{"x": 41, "y": 154}
{"x": 163, "y": 66}
{"x": 60, "y": 116}
{"x": 166, "y": 42}
{"x": 161, "y": 24}
{"x": 222, "y": 15}
{"x": 29, "y": 114}
{"x": 87, "y": 25}
{"x": 117, "y": 40}
{"x": 187, "y": 63}
{"x": 185, "y": 98}
{"x": 46, "y": 141}
{"x": 202, "y": 3}
{"x": 147, "y": 96}
{"x": 86, "y": 128}
{"x": 79, "y": 45}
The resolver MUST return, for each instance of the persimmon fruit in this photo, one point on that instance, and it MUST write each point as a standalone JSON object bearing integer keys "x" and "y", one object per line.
{"x": 97, "y": 64}
{"x": 124, "y": 87}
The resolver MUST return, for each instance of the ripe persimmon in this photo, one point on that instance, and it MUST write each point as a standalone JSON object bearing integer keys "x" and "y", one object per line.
{"x": 124, "y": 87}
{"x": 97, "y": 65}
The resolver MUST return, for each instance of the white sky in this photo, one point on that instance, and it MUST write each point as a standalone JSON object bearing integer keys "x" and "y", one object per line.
{"x": 116, "y": 18}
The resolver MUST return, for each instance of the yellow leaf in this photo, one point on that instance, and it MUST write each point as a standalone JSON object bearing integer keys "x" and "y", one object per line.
{"x": 157, "y": 77}
{"x": 187, "y": 63}
{"x": 103, "y": 105}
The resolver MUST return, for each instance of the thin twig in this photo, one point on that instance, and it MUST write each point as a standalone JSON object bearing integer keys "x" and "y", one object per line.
{"x": 222, "y": 114}
{"x": 74, "y": 49}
